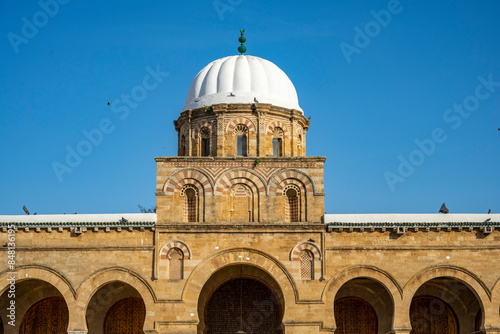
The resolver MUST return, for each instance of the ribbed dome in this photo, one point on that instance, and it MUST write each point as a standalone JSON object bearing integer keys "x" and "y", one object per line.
{"x": 246, "y": 77}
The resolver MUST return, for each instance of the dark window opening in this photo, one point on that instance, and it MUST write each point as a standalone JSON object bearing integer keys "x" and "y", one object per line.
{"x": 190, "y": 206}
{"x": 292, "y": 206}
{"x": 205, "y": 147}
{"x": 277, "y": 152}
{"x": 241, "y": 145}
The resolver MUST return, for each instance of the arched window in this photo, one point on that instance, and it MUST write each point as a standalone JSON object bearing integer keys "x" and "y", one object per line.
{"x": 292, "y": 205}
{"x": 175, "y": 259}
{"x": 306, "y": 265}
{"x": 205, "y": 141}
{"x": 241, "y": 133}
{"x": 278, "y": 142}
{"x": 190, "y": 204}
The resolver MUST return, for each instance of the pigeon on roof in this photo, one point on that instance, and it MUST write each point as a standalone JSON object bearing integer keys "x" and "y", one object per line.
{"x": 444, "y": 209}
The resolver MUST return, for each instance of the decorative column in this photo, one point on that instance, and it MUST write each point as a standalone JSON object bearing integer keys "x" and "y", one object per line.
{"x": 293, "y": 151}
{"x": 401, "y": 320}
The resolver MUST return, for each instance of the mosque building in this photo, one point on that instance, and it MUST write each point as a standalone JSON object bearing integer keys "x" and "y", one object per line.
{"x": 240, "y": 242}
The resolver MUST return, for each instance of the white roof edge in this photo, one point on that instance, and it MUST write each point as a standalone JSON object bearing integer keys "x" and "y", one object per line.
{"x": 411, "y": 218}
{"x": 79, "y": 218}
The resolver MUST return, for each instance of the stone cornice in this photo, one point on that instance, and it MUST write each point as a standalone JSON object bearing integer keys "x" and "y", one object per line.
{"x": 224, "y": 108}
{"x": 241, "y": 228}
{"x": 263, "y": 160}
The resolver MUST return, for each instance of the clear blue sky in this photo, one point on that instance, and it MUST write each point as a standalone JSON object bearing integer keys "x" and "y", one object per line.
{"x": 370, "y": 97}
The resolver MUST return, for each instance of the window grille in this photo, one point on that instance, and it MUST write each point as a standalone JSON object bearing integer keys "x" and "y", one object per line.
{"x": 306, "y": 265}
{"x": 292, "y": 205}
{"x": 190, "y": 202}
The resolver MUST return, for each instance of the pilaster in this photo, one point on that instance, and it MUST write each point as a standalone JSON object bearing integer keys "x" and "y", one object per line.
{"x": 219, "y": 114}
{"x": 293, "y": 149}
{"x": 261, "y": 133}
{"x": 190, "y": 139}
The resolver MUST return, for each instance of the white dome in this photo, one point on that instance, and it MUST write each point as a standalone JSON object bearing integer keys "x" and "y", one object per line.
{"x": 246, "y": 77}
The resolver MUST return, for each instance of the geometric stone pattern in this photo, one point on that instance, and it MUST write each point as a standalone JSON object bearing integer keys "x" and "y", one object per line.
{"x": 247, "y": 177}
{"x": 275, "y": 183}
{"x": 175, "y": 244}
{"x": 279, "y": 181}
{"x": 296, "y": 251}
{"x": 214, "y": 177}
{"x": 183, "y": 177}
{"x": 223, "y": 120}
{"x": 203, "y": 124}
{"x": 241, "y": 120}
{"x": 278, "y": 124}
{"x": 306, "y": 265}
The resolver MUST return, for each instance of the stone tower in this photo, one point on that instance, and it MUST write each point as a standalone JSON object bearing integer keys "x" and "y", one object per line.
{"x": 241, "y": 151}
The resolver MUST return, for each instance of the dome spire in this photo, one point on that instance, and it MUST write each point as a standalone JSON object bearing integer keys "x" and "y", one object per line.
{"x": 242, "y": 49}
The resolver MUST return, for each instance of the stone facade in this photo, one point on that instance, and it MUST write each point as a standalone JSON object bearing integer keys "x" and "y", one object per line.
{"x": 229, "y": 214}
{"x": 262, "y": 123}
{"x": 95, "y": 269}
{"x": 216, "y": 182}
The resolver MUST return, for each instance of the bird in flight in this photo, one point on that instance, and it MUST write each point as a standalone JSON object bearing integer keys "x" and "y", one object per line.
{"x": 109, "y": 103}
{"x": 255, "y": 100}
